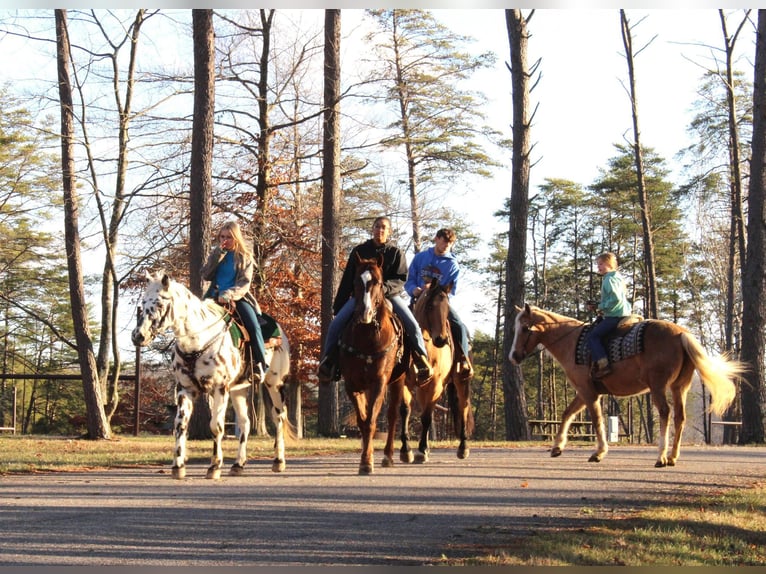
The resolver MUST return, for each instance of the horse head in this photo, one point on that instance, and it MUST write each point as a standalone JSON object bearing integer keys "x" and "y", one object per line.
{"x": 525, "y": 336}
{"x": 155, "y": 310}
{"x": 432, "y": 312}
{"x": 368, "y": 289}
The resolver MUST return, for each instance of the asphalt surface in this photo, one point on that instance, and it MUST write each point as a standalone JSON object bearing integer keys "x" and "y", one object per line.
{"x": 320, "y": 512}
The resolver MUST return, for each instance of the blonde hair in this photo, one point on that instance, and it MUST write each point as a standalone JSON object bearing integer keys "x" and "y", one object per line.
{"x": 240, "y": 245}
{"x": 608, "y": 258}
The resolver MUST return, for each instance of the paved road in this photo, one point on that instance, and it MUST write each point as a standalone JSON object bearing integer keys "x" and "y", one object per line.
{"x": 320, "y": 512}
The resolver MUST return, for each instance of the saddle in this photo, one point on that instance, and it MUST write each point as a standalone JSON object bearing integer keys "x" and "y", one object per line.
{"x": 272, "y": 336}
{"x": 627, "y": 340}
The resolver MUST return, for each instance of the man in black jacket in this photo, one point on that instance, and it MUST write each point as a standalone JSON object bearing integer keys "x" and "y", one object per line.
{"x": 394, "y": 276}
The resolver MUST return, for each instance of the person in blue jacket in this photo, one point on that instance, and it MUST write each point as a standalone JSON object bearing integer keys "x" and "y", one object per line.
{"x": 613, "y": 307}
{"x": 439, "y": 262}
{"x": 229, "y": 268}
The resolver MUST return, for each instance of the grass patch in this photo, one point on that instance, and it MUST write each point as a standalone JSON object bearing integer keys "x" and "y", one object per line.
{"x": 713, "y": 530}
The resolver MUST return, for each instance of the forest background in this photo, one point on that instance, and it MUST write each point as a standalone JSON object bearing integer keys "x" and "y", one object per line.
{"x": 134, "y": 82}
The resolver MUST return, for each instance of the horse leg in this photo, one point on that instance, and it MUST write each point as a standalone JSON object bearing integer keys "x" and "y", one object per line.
{"x": 366, "y": 428}
{"x": 217, "y": 420}
{"x": 279, "y": 418}
{"x": 239, "y": 402}
{"x": 185, "y": 405}
{"x": 421, "y": 455}
{"x": 597, "y": 421}
{"x": 680, "y": 393}
{"x": 463, "y": 420}
{"x": 560, "y": 441}
{"x": 392, "y": 414}
{"x": 663, "y": 409}
{"x": 405, "y": 409}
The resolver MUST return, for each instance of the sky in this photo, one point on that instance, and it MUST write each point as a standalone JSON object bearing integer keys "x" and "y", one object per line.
{"x": 584, "y": 108}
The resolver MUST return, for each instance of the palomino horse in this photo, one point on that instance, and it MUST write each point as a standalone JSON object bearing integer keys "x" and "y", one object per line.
{"x": 432, "y": 313}
{"x": 370, "y": 359}
{"x": 207, "y": 360}
{"x": 669, "y": 358}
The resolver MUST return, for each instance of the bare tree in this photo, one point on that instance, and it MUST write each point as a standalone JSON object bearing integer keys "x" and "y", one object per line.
{"x": 328, "y": 423}
{"x": 516, "y": 427}
{"x": 200, "y": 185}
{"x": 754, "y": 273}
{"x": 651, "y": 298}
{"x": 98, "y": 425}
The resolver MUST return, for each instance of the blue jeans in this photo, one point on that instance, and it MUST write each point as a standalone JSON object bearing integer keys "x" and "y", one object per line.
{"x": 250, "y": 321}
{"x": 401, "y": 309}
{"x": 459, "y": 331}
{"x": 597, "y": 333}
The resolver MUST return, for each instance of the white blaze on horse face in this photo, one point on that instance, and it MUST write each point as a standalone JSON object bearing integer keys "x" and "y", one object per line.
{"x": 369, "y": 310}
{"x": 513, "y": 356}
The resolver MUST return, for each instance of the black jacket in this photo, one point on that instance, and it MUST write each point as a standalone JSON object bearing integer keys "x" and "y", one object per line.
{"x": 394, "y": 271}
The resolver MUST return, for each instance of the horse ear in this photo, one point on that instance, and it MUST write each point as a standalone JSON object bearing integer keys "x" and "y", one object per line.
{"x": 518, "y": 309}
{"x": 527, "y": 309}
{"x": 165, "y": 281}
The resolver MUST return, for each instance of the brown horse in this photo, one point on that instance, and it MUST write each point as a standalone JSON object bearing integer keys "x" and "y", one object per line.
{"x": 370, "y": 359}
{"x": 669, "y": 358}
{"x": 432, "y": 313}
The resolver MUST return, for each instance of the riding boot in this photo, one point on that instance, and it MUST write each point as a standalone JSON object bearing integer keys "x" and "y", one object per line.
{"x": 601, "y": 368}
{"x": 328, "y": 368}
{"x": 464, "y": 368}
{"x": 422, "y": 367}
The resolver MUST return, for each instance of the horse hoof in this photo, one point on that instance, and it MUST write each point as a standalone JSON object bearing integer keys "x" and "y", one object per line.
{"x": 278, "y": 465}
{"x": 421, "y": 457}
{"x": 387, "y": 462}
{"x": 660, "y": 464}
{"x": 365, "y": 470}
{"x": 555, "y": 451}
{"x": 463, "y": 452}
{"x": 236, "y": 470}
{"x": 213, "y": 473}
{"x": 179, "y": 472}
{"x": 671, "y": 462}
{"x": 406, "y": 457}
{"x": 595, "y": 457}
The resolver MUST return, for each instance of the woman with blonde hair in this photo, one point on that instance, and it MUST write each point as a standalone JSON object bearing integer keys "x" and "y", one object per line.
{"x": 229, "y": 268}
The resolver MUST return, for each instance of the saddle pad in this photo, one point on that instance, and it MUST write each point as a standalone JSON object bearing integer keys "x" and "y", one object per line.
{"x": 618, "y": 347}
{"x": 269, "y": 327}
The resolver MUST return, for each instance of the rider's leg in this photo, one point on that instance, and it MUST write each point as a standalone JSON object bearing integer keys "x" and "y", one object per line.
{"x": 460, "y": 334}
{"x": 415, "y": 336}
{"x": 328, "y": 361}
{"x": 250, "y": 321}
{"x": 598, "y": 353}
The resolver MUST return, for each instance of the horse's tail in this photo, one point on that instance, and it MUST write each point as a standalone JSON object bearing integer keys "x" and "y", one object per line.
{"x": 717, "y": 373}
{"x": 453, "y": 404}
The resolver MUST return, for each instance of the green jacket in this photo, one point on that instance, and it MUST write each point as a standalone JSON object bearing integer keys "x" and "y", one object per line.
{"x": 614, "y": 296}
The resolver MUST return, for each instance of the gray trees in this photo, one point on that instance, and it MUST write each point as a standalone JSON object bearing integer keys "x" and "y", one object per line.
{"x": 754, "y": 273}
{"x": 98, "y": 425}
{"x": 513, "y": 382}
{"x": 437, "y": 122}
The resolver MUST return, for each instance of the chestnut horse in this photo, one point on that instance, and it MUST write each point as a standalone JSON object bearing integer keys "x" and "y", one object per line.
{"x": 432, "y": 313}
{"x": 669, "y": 358}
{"x": 371, "y": 359}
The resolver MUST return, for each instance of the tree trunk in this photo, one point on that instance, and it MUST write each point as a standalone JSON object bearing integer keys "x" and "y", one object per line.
{"x": 516, "y": 427}
{"x": 201, "y": 178}
{"x": 97, "y": 423}
{"x": 328, "y": 417}
{"x": 754, "y": 272}
{"x": 652, "y": 302}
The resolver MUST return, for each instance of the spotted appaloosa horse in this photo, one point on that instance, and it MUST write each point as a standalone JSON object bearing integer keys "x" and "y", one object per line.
{"x": 207, "y": 360}
{"x": 669, "y": 358}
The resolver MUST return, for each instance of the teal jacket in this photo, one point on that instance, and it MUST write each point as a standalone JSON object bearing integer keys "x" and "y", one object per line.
{"x": 614, "y": 296}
